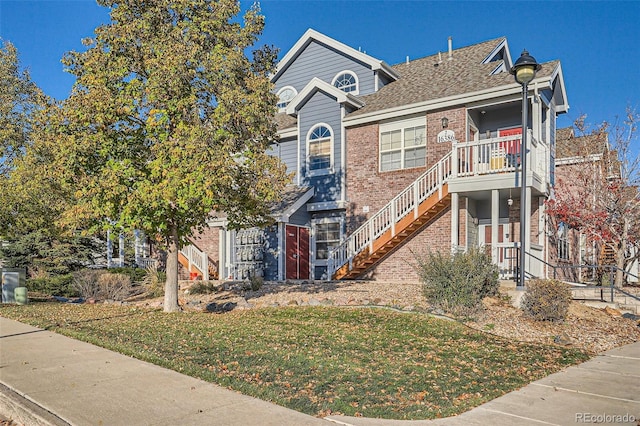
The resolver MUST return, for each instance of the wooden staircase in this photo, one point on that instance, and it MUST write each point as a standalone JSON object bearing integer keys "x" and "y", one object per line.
{"x": 400, "y": 219}
{"x": 607, "y": 255}
{"x": 195, "y": 261}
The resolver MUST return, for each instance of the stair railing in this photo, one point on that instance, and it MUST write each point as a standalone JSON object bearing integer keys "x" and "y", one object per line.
{"x": 197, "y": 258}
{"x": 406, "y": 202}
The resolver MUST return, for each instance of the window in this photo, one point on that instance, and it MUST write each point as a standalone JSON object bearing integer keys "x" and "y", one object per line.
{"x": 284, "y": 97}
{"x": 563, "y": 241}
{"x": 327, "y": 236}
{"x": 346, "y": 81}
{"x": 319, "y": 145}
{"x": 402, "y": 148}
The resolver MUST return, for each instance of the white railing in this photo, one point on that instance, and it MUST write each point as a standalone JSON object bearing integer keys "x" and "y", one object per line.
{"x": 499, "y": 155}
{"x": 145, "y": 262}
{"x": 196, "y": 258}
{"x": 405, "y": 203}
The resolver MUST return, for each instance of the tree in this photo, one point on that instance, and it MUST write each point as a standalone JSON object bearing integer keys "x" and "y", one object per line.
{"x": 600, "y": 197}
{"x": 19, "y": 99}
{"x": 168, "y": 121}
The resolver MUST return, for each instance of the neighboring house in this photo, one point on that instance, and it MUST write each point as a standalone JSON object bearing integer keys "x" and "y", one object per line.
{"x": 395, "y": 160}
{"x": 569, "y": 247}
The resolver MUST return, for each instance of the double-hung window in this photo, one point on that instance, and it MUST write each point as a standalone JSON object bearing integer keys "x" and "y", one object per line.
{"x": 319, "y": 144}
{"x": 403, "y": 145}
{"x": 327, "y": 236}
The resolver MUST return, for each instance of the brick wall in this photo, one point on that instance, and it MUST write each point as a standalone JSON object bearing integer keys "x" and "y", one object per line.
{"x": 207, "y": 241}
{"x": 367, "y": 187}
{"x": 400, "y": 266}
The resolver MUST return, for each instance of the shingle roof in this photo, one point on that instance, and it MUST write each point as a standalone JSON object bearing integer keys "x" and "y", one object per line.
{"x": 435, "y": 77}
{"x": 285, "y": 121}
{"x": 569, "y": 146}
{"x": 429, "y": 79}
{"x": 290, "y": 196}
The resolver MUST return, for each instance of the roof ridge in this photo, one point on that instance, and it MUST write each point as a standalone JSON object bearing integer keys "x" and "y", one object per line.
{"x": 495, "y": 41}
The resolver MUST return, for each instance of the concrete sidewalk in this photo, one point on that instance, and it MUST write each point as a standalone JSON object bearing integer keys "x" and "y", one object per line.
{"x": 49, "y": 379}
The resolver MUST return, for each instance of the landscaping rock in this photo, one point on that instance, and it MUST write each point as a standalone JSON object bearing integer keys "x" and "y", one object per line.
{"x": 612, "y": 312}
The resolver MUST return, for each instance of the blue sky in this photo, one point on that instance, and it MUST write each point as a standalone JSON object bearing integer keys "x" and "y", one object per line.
{"x": 596, "y": 41}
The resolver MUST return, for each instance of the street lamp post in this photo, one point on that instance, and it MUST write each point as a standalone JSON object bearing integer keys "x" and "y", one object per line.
{"x": 524, "y": 71}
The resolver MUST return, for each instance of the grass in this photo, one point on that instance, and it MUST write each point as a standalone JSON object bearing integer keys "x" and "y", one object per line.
{"x": 318, "y": 360}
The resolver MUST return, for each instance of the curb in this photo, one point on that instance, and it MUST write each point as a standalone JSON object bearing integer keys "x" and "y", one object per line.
{"x": 22, "y": 410}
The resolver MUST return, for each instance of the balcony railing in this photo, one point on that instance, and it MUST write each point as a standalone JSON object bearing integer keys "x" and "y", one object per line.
{"x": 499, "y": 155}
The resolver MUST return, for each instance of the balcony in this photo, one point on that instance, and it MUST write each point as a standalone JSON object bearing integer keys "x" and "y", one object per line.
{"x": 495, "y": 164}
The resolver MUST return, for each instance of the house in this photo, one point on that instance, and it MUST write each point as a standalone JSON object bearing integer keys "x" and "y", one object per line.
{"x": 585, "y": 158}
{"x": 395, "y": 160}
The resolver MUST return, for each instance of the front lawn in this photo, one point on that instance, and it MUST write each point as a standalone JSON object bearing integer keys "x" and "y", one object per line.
{"x": 317, "y": 360}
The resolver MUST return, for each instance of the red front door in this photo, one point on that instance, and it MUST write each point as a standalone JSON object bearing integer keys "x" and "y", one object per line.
{"x": 297, "y": 250}
{"x": 511, "y": 146}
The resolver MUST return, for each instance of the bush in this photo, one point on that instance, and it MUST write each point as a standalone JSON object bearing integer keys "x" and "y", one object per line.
{"x": 101, "y": 284}
{"x": 135, "y": 274}
{"x": 57, "y": 285}
{"x": 204, "y": 287}
{"x": 255, "y": 282}
{"x": 457, "y": 283}
{"x": 546, "y": 300}
{"x": 153, "y": 282}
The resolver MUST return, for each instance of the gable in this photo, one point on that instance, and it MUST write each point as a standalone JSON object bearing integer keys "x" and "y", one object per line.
{"x": 320, "y": 56}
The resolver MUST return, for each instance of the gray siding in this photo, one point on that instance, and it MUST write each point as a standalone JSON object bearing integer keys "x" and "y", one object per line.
{"x": 323, "y": 62}
{"x": 287, "y": 151}
{"x": 498, "y": 119}
{"x": 321, "y": 109}
{"x": 271, "y": 254}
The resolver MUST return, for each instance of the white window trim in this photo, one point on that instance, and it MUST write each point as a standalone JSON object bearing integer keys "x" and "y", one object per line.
{"x": 283, "y": 109}
{"x": 314, "y": 223}
{"x": 563, "y": 241}
{"x": 399, "y": 125}
{"x": 355, "y": 76}
{"x": 330, "y": 169}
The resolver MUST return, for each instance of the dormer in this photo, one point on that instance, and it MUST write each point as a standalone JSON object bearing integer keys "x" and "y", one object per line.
{"x": 319, "y": 56}
{"x": 501, "y": 56}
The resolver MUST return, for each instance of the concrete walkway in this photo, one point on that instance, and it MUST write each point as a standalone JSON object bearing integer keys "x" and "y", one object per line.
{"x": 49, "y": 379}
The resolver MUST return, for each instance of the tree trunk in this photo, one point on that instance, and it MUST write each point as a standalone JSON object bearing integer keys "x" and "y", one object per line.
{"x": 171, "y": 285}
{"x": 621, "y": 254}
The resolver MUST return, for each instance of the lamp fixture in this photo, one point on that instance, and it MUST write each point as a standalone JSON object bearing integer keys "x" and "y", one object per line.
{"x": 445, "y": 122}
{"x": 524, "y": 71}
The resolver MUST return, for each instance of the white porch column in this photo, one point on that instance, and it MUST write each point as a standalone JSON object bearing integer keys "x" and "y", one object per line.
{"x": 495, "y": 216}
{"x": 455, "y": 221}
{"x": 109, "y": 250}
{"x": 137, "y": 248}
{"x": 121, "y": 250}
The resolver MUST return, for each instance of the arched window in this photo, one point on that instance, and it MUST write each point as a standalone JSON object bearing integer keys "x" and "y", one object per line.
{"x": 346, "y": 81}
{"x": 284, "y": 97}
{"x": 319, "y": 142}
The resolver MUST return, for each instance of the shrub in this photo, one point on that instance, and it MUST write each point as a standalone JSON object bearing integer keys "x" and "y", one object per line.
{"x": 85, "y": 282}
{"x": 255, "y": 282}
{"x": 546, "y": 300}
{"x": 204, "y": 287}
{"x": 457, "y": 283}
{"x": 153, "y": 282}
{"x": 114, "y": 286}
{"x": 56, "y": 285}
{"x": 135, "y": 274}
{"x": 101, "y": 284}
